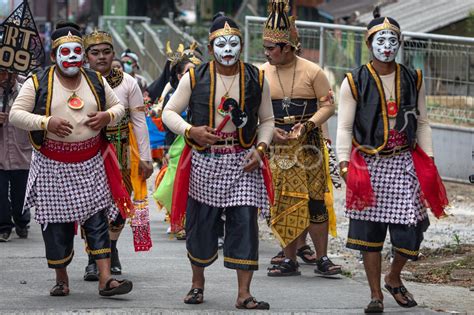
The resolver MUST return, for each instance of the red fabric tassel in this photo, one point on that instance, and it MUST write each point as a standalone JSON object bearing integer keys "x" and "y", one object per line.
{"x": 181, "y": 190}
{"x": 359, "y": 192}
{"x": 432, "y": 188}
{"x": 267, "y": 179}
{"x": 114, "y": 178}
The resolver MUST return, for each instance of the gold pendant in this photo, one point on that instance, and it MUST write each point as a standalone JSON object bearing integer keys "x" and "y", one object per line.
{"x": 75, "y": 102}
{"x": 289, "y": 119}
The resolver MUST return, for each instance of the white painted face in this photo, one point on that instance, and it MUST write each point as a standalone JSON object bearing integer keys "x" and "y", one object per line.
{"x": 69, "y": 58}
{"x": 385, "y": 45}
{"x": 227, "y": 49}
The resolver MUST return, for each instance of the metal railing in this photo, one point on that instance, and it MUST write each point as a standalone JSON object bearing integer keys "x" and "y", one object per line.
{"x": 446, "y": 61}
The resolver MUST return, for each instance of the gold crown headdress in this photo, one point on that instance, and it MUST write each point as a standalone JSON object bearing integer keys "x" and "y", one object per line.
{"x": 385, "y": 25}
{"x": 97, "y": 37}
{"x": 279, "y": 27}
{"x": 226, "y": 30}
{"x": 69, "y": 38}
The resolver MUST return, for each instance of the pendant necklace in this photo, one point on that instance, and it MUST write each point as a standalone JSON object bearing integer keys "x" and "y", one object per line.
{"x": 74, "y": 101}
{"x": 220, "y": 108}
{"x": 286, "y": 101}
{"x": 392, "y": 107}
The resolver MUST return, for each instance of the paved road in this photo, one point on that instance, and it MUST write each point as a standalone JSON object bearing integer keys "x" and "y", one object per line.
{"x": 162, "y": 277}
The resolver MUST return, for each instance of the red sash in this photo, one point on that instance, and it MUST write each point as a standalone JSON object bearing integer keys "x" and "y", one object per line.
{"x": 82, "y": 151}
{"x": 360, "y": 195}
{"x": 181, "y": 188}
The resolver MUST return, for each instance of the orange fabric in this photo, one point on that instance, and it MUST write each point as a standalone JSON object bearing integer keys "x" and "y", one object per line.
{"x": 157, "y": 153}
{"x": 159, "y": 123}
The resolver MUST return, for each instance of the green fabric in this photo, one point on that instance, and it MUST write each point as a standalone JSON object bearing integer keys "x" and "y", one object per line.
{"x": 164, "y": 192}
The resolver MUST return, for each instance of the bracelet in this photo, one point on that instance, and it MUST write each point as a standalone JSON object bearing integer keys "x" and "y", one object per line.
{"x": 112, "y": 116}
{"x": 344, "y": 171}
{"x": 261, "y": 149}
{"x": 43, "y": 123}
{"x": 186, "y": 132}
{"x": 309, "y": 125}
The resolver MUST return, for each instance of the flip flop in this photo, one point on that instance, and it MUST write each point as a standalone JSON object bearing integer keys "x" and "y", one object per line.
{"x": 375, "y": 306}
{"x": 59, "y": 289}
{"x": 404, "y": 292}
{"x": 196, "y": 296}
{"x": 124, "y": 287}
{"x": 259, "y": 305}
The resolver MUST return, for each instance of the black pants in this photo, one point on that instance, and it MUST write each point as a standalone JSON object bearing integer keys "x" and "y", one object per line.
{"x": 12, "y": 197}
{"x": 59, "y": 240}
{"x": 204, "y": 226}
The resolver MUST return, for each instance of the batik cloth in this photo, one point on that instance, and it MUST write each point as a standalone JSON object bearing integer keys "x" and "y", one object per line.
{"x": 395, "y": 185}
{"x": 62, "y": 192}
{"x": 219, "y": 180}
{"x": 299, "y": 174}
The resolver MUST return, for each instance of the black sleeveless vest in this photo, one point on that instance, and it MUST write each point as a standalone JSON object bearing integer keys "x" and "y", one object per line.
{"x": 371, "y": 125}
{"x": 43, "y": 83}
{"x": 202, "y": 105}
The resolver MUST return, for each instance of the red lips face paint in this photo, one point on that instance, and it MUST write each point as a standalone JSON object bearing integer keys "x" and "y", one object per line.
{"x": 69, "y": 58}
{"x": 385, "y": 45}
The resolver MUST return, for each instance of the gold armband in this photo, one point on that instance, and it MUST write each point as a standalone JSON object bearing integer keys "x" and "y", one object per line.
{"x": 186, "y": 132}
{"x": 112, "y": 116}
{"x": 343, "y": 171}
{"x": 43, "y": 123}
{"x": 261, "y": 149}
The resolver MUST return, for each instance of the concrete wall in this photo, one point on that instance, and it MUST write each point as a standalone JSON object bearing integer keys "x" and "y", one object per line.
{"x": 453, "y": 147}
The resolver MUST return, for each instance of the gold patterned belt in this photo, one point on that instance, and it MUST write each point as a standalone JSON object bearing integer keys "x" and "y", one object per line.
{"x": 394, "y": 151}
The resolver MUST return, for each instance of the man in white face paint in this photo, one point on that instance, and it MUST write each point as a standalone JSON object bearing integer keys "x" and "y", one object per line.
{"x": 72, "y": 179}
{"x": 226, "y": 158}
{"x": 384, "y": 147}
{"x": 227, "y": 50}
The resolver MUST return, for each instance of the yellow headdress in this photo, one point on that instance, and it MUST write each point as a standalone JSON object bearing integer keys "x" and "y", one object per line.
{"x": 180, "y": 52}
{"x": 279, "y": 27}
{"x": 97, "y": 37}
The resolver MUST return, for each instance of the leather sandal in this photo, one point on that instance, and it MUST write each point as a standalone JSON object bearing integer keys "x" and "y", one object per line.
{"x": 278, "y": 258}
{"x": 124, "y": 287}
{"x": 325, "y": 267}
{"x": 286, "y": 268}
{"x": 375, "y": 306}
{"x": 59, "y": 289}
{"x": 196, "y": 296}
{"x": 304, "y": 251}
{"x": 258, "y": 305}
{"x": 404, "y": 293}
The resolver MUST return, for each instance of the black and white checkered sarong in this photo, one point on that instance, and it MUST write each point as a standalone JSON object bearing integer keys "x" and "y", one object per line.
{"x": 220, "y": 181}
{"x": 397, "y": 191}
{"x": 67, "y": 192}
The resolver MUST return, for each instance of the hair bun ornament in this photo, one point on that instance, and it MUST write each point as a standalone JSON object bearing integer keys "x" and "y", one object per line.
{"x": 376, "y": 12}
{"x": 62, "y": 24}
{"x": 217, "y": 15}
